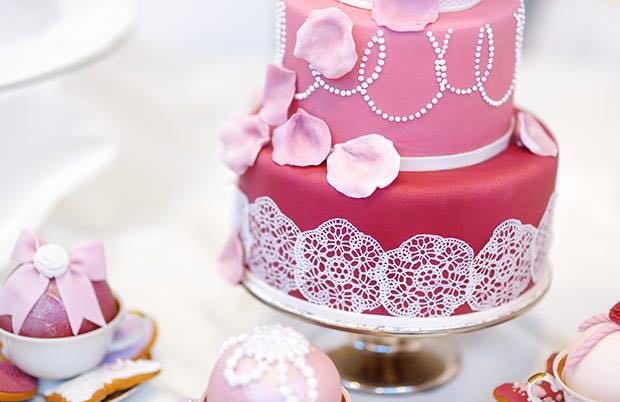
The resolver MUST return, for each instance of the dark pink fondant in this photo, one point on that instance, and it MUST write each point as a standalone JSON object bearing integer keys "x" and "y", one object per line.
{"x": 458, "y": 123}
{"x": 466, "y": 204}
{"x": 48, "y": 318}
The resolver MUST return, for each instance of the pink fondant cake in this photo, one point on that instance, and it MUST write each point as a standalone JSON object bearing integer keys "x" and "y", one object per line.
{"x": 435, "y": 200}
{"x": 407, "y": 82}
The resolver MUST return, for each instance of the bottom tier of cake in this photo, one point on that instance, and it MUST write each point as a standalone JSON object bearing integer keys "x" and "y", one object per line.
{"x": 432, "y": 245}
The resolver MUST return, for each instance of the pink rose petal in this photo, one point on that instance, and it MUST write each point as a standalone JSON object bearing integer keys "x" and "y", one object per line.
{"x": 304, "y": 140}
{"x": 326, "y": 41}
{"x": 278, "y": 95}
{"x": 360, "y": 166}
{"x": 231, "y": 261}
{"x": 534, "y": 136}
{"x": 243, "y": 138}
{"x": 405, "y": 15}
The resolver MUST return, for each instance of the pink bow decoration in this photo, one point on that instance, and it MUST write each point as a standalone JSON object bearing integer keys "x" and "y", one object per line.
{"x": 39, "y": 262}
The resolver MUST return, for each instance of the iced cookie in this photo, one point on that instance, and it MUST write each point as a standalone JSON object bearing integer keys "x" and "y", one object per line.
{"x": 16, "y": 385}
{"x": 52, "y": 293}
{"x": 518, "y": 393}
{"x": 106, "y": 380}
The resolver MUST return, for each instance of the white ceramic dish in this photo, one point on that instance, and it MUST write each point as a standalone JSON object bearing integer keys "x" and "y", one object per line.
{"x": 39, "y": 40}
{"x": 61, "y": 358}
{"x": 556, "y": 382}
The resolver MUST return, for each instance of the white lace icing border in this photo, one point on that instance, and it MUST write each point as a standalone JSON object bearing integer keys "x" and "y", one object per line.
{"x": 371, "y": 323}
{"x": 428, "y": 276}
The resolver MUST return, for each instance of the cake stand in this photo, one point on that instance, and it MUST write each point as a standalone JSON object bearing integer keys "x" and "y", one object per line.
{"x": 389, "y": 355}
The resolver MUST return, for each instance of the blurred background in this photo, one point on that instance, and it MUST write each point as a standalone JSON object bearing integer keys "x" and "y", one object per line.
{"x": 124, "y": 147}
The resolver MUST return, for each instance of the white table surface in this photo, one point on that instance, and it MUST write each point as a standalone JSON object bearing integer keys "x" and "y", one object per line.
{"x": 163, "y": 206}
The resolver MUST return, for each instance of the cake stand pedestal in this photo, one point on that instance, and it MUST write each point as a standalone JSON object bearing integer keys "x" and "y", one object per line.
{"x": 390, "y": 355}
{"x": 396, "y": 365}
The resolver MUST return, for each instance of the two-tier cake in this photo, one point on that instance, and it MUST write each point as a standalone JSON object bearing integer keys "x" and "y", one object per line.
{"x": 387, "y": 179}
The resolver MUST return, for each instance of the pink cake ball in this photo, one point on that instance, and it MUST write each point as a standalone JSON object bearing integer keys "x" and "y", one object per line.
{"x": 273, "y": 364}
{"x": 48, "y": 318}
{"x": 593, "y": 365}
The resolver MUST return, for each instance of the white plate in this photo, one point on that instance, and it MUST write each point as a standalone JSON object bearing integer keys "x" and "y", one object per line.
{"x": 39, "y": 39}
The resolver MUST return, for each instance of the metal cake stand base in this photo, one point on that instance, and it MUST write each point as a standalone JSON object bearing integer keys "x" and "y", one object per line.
{"x": 390, "y": 357}
{"x": 382, "y": 365}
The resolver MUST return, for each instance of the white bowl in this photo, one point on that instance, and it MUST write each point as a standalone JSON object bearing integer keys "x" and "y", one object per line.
{"x": 61, "y": 358}
{"x": 556, "y": 382}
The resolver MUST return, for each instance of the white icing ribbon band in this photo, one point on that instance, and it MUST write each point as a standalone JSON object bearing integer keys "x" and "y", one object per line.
{"x": 445, "y": 6}
{"x": 456, "y": 161}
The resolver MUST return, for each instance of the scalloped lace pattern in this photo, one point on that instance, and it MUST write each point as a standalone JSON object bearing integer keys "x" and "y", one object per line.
{"x": 337, "y": 266}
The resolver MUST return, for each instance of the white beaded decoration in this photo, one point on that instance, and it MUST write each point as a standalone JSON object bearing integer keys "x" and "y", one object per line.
{"x": 272, "y": 347}
{"x": 280, "y": 31}
{"x": 368, "y": 76}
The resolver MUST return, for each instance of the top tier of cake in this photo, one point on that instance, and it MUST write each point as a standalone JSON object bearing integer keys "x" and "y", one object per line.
{"x": 445, "y": 90}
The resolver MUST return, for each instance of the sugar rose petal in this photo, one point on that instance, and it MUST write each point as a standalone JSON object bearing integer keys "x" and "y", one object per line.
{"x": 243, "y": 138}
{"x": 304, "y": 140}
{"x": 326, "y": 42}
{"x": 362, "y": 165}
{"x": 231, "y": 261}
{"x": 534, "y": 136}
{"x": 405, "y": 15}
{"x": 278, "y": 94}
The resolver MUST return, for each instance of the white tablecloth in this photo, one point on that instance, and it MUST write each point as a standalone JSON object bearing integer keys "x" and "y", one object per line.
{"x": 163, "y": 205}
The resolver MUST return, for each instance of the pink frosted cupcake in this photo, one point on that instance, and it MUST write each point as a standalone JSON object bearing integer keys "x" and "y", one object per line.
{"x": 274, "y": 364}
{"x": 53, "y": 293}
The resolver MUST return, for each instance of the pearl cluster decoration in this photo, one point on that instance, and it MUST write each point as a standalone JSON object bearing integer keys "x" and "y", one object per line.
{"x": 272, "y": 347}
{"x": 368, "y": 76}
{"x": 280, "y": 32}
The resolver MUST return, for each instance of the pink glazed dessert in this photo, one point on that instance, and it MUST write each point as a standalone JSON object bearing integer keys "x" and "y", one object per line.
{"x": 56, "y": 294}
{"x": 592, "y": 367}
{"x": 275, "y": 364}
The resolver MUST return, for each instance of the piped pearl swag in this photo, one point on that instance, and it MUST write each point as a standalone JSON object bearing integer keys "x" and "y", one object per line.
{"x": 271, "y": 347}
{"x": 280, "y": 32}
{"x": 37, "y": 264}
{"x": 482, "y": 73}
